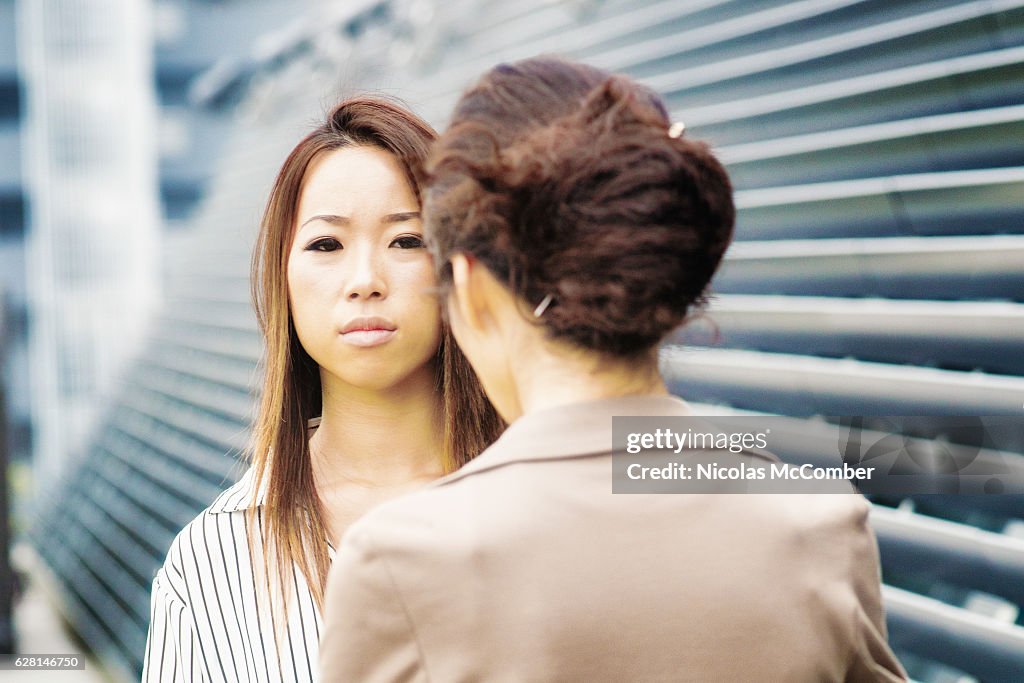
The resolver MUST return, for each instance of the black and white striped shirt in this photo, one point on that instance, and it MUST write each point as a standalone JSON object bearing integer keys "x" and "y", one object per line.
{"x": 206, "y": 623}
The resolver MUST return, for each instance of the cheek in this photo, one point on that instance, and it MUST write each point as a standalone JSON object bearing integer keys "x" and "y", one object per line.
{"x": 302, "y": 295}
{"x": 292, "y": 288}
{"x": 293, "y": 275}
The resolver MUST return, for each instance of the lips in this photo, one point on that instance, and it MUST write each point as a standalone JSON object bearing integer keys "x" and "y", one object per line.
{"x": 366, "y": 332}
{"x": 369, "y": 324}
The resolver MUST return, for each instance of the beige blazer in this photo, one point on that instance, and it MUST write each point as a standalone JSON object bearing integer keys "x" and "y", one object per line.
{"x": 523, "y": 566}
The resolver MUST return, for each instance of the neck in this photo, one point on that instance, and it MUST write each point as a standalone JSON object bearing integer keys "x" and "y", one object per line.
{"x": 378, "y": 438}
{"x": 558, "y": 375}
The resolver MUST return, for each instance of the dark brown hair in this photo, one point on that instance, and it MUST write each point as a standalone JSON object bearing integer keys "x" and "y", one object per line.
{"x": 293, "y": 527}
{"x": 562, "y": 180}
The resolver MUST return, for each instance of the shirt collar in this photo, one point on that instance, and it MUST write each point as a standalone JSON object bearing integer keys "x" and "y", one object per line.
{"x": 240, "y": 496}
{"x": 575, "y": 430}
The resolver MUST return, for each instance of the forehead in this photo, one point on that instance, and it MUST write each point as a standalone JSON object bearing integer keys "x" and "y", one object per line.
{"x": 349, "y": 180}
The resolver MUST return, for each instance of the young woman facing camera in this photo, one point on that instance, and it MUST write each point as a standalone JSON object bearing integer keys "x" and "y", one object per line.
{"x": 574, "y": 228}
{"x": 365, "y": 396}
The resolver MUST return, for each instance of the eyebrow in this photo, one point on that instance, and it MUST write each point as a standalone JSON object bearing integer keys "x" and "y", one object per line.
{"x": 401, "y": 217}
{"x": 334, "y": 219}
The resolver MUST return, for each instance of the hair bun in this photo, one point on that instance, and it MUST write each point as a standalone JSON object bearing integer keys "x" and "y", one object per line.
{"x": 586, "y": 199}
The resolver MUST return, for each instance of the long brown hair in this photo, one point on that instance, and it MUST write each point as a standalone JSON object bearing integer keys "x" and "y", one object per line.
{"x": 292, "y": 524}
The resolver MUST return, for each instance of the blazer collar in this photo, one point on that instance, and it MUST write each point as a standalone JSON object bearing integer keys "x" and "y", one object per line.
{"x": 575, "y": 430}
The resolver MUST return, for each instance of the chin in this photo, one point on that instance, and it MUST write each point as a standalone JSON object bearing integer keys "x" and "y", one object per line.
{"x": 373, "y": 381}
{"x": 382, "y": 376}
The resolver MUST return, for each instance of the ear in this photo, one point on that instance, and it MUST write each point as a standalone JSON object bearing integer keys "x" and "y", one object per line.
{"x": 480, "y": 301}
{"x": 465, "y": 298}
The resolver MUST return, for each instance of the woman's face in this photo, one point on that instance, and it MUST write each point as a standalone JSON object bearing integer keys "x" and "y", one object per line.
{"x": 359, "y": 277}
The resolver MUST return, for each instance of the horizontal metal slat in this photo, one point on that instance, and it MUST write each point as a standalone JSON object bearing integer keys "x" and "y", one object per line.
{"x": 987, "y": 649}
{"x": 202, "y": 426}
{"x": 940, "y": 268}
{"x": 225, "y": 343}
{"x": 127, "y": 514}
{"x": 98, "y": 626}
{"x": 978, "y": 81}
{"x": 756, "y": 74}
{"x": 232, "y": 376}
{"x": 139, "y": 458}
{"x": 802, "y": 385}
{"x": 582, "y": 42}
{"x": 735, "y": 34}
{"x": 975, "y": 202}
{"x": 978, "y": 139}
{"x": 215, "y": 398}
{"x": 154, "y": 506}
{"x": 227, "y": 310}
{"x": 534, "y": 17}
{"x": 92, "y": 631}
{"x": 105, "y": 563}
{"x": 120, "y": 544}
{"x": 955, "y": 553}
{"x": 195, "y": 455}
{"x": 234, "y": 371}
{"x": 965, "y": 335}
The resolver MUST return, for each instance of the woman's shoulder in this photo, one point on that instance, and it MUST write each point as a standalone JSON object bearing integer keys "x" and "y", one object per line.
{"x": 238, "y": 497}
{"x": 217, "y": 535}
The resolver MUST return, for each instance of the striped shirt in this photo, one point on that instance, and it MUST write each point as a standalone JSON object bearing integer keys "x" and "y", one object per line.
{"x": 205, "y": 622}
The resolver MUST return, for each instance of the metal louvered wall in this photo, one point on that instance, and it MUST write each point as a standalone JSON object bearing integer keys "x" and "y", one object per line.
{"x": 877, "y": 148}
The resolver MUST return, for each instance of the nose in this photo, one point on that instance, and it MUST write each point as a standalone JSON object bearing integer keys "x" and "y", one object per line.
{"x": 366, "y": 279}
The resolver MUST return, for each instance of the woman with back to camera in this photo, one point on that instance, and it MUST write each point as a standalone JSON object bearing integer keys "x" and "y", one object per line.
{"x": 574, "y": 228}
{"x": 344, "y": 293}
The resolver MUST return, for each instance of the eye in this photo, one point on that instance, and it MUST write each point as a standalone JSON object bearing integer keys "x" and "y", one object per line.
{"x": 408, "y": 242}
{"x": 324, "y": 244}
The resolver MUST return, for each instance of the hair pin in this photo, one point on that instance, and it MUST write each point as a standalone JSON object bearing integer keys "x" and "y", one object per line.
{"x": 542, "y": 306}
{"x": 676, "y": 129}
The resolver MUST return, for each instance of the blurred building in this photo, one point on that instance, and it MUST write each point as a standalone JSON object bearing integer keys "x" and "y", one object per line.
{"x": 93, "y": 243}
{"x": 114, "y": 156}
{"x": 14, "y": 381}
{"x": 12, "y": 236}
{"x": 101, "y": 159}
{"x": 878, "y": 153}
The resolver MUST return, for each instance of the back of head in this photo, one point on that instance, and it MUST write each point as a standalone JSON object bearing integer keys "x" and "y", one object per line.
{"x": 563, "y": 180}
